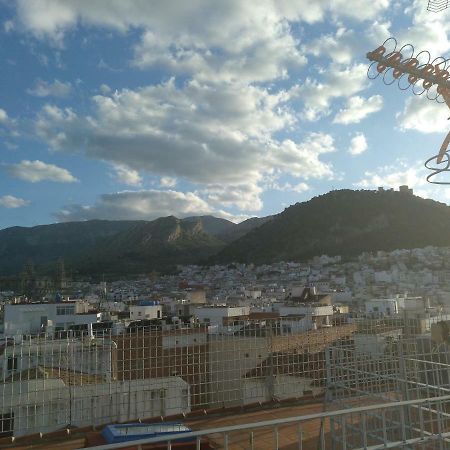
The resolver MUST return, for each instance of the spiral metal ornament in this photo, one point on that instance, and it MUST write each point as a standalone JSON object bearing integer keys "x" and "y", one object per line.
{"x": 424, "y": 75}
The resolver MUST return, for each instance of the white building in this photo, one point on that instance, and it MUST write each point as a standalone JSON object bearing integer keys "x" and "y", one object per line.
{"x": 382, "y": 306}
{"x": 253, "y": 293}
{"x": 306, "y": 309}
{"x": 315, "y": 314}
{"x": 34, "y": 318}
{"x": 92, "y": 357}
{"x": 219, "y": 315}
{"x": 146, "y": 309}
{"x": 383, "y": 277}
{"x": 344, "y": 296}
{"x": 396, "y": 305}
{"x": 45, "y": 405}
{"x": 196, "y": 296}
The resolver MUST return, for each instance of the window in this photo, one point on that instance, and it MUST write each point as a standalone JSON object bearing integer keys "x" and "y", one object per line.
{"x": 65, "y": 310}
{"x": 158, "y": 314}
{"x": 12, "y": 363}
{"x": 6, "y": 424}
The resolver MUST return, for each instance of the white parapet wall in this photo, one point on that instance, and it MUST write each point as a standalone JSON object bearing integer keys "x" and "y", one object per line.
{"x": 45, "y": 405}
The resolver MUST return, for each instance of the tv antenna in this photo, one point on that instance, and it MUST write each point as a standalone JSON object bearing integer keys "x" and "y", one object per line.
{"x": 423, "y": 75}
{"x": 437, "y": 5}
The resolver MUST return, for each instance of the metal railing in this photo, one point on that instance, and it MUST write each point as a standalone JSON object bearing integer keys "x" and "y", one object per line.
{"x": 276, "y": 425}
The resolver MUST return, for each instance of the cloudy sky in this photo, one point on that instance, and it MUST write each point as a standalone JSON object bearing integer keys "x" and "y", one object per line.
{"x": 139, "y": 109}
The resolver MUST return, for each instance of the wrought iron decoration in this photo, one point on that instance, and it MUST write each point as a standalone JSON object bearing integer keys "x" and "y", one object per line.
{"x": 423, "y": 76}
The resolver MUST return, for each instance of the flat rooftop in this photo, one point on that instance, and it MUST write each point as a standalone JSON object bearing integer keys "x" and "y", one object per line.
{"x": 263, "y": 439}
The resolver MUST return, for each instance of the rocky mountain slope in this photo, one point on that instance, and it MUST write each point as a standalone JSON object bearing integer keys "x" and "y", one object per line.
{"x": 344, "y": 222}
{"x": 341, "y": 222}
{"x": 115, "y": 247}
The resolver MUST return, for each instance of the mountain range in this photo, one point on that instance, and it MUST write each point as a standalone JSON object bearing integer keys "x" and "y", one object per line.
{"x": 343, "y": 222}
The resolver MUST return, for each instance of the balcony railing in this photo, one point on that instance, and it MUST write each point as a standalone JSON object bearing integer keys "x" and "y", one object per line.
{"x": 225, "y": 437}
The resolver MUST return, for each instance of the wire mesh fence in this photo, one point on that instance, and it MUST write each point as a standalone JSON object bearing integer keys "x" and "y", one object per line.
{"x": 49, "y": 382}
{"x": 391, "y": 360}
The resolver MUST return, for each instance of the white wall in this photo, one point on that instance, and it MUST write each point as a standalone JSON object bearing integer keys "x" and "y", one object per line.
{"x": 284, "y": 387}
{"x": 138, "y": 312}
{"x": 252, "y": 293}
{"x": 29, "y": 318}
{"x": 374, "y": 345}
{"x": 230, "y": 358}
{"x": 50, "y": 405}
{"x": 93, "y": 357}
{"x": 385, "y": 306}
{"x": 216, "y": 314}
{"x": 286, "y": 310}
{"x": 184, "y": 340}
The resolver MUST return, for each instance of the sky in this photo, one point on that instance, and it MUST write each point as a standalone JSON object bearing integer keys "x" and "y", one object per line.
{"x": 113, "y": 109}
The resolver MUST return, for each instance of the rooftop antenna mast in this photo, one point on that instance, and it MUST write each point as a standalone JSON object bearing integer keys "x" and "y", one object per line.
{"x": 423, "y": 75}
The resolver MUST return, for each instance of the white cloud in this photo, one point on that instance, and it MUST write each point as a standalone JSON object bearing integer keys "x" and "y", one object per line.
{"x": 105, "y": 89}
{"x": 245, "y": 197}
{"x": 54, "y": 17}
{"x": 9, "y": 201}
{"x": 233, "y": 40}
{"x": 143, "y": 205}
{"x": 238, "y": 40}
{"x": 302, "y": 159}
{"x": 260, "y": 54}
{"x": 3, "y": 116}
{"x": 317, "y": 96}
{"x": 222, "y": 126}
{"x": 200, "y": 132}
{"x": 428, "y": 31}
{"x": 340, "y": 47}
{"x": 8, "y": 26}
{"x": 126, "y": 175}
{"x": 358, "y": 108}
{"x": 411, "y": 174}
{"x": 44, "y": 89}
{"x": 299, "y": 187}
{"x": 168, "y": 182}
{"x": 378, "y": 32}
{"x": 358, "y": 144}
{"x": 35, "y": 171}
{"x": 423, "y": 115}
